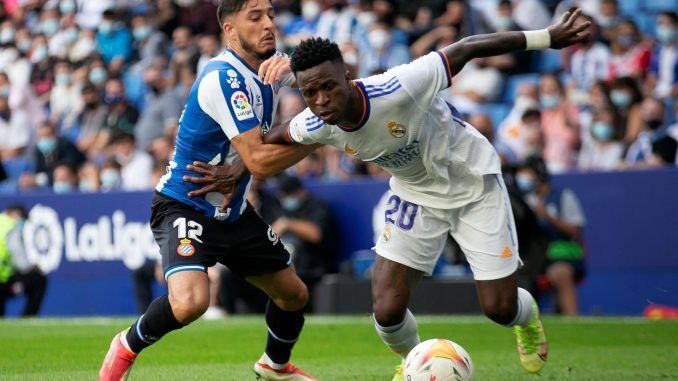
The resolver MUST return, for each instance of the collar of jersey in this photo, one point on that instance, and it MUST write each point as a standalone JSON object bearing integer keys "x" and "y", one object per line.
{"x": 256, "y": 75}
{"x": 366, "y": 108}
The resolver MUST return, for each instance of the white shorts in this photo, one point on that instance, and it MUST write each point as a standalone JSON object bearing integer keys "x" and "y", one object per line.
{"x": 415, "y": 235}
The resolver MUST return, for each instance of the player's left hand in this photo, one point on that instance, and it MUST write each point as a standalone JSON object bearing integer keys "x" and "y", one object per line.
{"x": 568, "y": 31}
{"x": 273, "y": 69}
{"x": 215, "y": 178}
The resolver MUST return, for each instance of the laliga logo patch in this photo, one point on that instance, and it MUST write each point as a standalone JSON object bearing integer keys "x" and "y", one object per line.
{"x": 272, "y": 236}
{"x": 185, "y": 249}
{"x": 241, "y": 106}
{"x": 397, "y": 130}
{"x": 233, "y": 79}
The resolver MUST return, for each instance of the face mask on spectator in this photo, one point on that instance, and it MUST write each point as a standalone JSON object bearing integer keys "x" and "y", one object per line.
{"x": 654, "y": 124}
{"x": 525, "y": 183}
{"x": 350, "y": 58}
{"x": 71, "y": 35}
{"x": 503, "y": 22}
{"x": 82, "y": 48}
{"x": 310, "y": 10}
{"x": 39, "y": 54}
{"x": 602, "y": 131}
{"x": 378, "y": 38}
{"x": 549, "y": 100}
{"x": 11, "y": 55}
{"x": 620, "y": 98}
{"x": 46, "y": 145}
{"x": 106, "y": 27}
{"x": 67, "y": 6}
{"x": 6, "y": 36}
{"x": 606, "y": 22}
{"x": 98, "y": 75}
{"x": 367, "y": 18}
{"x": 666, "y": 34}
{"x": 62, "y": 79}
{"x": 141, "y": 33}
{"x": 50, "y": 26}
{"x": 626, "y": 41}
{"x": 113, "y": 99}
{"x": 61, "y": 187}
{"x": 86, "y": 186}
{"x": 24, "y": 45}
{"x": 110, "y": 178}
{"x": 291, "y": 204}
{"x": 4, "y": 91}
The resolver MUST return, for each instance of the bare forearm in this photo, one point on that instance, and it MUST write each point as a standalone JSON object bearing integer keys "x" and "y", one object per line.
{"x": 482, "y": 45}
{"x": 274, "y": 158}
{"x": 278, "y": 135}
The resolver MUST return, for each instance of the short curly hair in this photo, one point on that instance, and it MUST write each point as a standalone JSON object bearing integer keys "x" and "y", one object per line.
{"x": 314, "y": 51}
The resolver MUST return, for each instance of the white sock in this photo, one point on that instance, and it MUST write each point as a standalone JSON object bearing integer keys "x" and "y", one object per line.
{"x": 400, "y": 338}
{"x": 272, "y": 364}
{"x": 525, "y": 309}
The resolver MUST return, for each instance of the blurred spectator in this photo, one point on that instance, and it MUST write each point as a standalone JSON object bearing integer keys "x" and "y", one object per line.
{"x": 304, "y": 226}
{"x": 626, "y": 97}
{"x": 608, "y": 18}
{"x": 122, "y": 116}
{"x": 65, "y": 179}
{"x": 310, "y": 167}
{"x": 114, "y": 41}
{"x": 136, "y": 165}
{"x": 51, "y": 151}
{"x": 560, "y": 125}
{"x": 148, "y": 42}
{"x": 652, "y": 146}
{"x": 210, "y": 47}
{"x": 199, "y": 16}
{"x": 662, "y": 81}
{"x": 530, "y": 14}
{"x": 630, "y": 56}
{"x": 14, "y": 125}
{"x": 523, "y": 137}
{"x": 42, "y": 75}
{"x": 97, "y": 73}
{"x": 88, "y": 178}
{"x": 90, "y": 12}
{"x": 590, "y": 62}
{"x": 304, "y": 26}
{"x": 83, "y": 46}
{"x": 560, "y": 215}
{"x": 18, "y": 274}
{"x": 110, "y": 177}
{"x": 604, "y": 152}
{"x": 436, "y": 39}
{"x": 664, "y": 152}
{"x": 341, "y": 22}
{"x": 91, "y": 138}
{"x": 162, "y": 149}
{"x": 65, "y": 99}
{"x": 483, "y": 124}
{"x": 382, "y": 50}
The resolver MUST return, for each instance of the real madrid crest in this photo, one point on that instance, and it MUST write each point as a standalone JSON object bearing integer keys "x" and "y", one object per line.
{"x": 397, "y": 130}
{"x": 387, "y": 233}
{"x": 185, "y": 249}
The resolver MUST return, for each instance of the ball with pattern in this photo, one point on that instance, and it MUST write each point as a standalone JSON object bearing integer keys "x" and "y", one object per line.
{"x": 438, "y": 360}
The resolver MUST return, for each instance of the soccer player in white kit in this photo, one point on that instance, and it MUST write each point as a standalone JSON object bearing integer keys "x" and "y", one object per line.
{"x": 446, "y": 177}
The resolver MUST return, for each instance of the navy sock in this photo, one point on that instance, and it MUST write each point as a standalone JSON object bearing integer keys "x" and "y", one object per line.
{"x": 283, "y": 330}
{"x": 151, "y": 326}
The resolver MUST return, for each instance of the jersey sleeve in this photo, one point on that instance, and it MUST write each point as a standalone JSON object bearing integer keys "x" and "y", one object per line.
{"x": 306, "y": 128}
{"x": 424, "y": 77}
{"x": 223, "y": 96}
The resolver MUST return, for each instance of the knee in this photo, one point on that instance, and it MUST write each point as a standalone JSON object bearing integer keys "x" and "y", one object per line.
{"x": 388, "y": 312}
{"x": 293, "y": 300}
{"x": 188, "y": 306}
{"x": 560, "y": 275}
{"x": 500, "y": 310}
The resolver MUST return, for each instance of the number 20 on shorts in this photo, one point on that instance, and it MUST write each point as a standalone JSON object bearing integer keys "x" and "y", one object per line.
{"x": 400, "y": 212}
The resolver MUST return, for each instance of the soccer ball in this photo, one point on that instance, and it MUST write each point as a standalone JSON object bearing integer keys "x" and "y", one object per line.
{"x": 438, "y": 360}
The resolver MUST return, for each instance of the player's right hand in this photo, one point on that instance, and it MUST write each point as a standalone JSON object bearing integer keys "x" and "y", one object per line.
{"x": 568, "y": 31}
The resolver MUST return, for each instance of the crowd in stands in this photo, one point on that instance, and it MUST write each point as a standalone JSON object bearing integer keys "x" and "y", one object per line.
{"x": 91, "y": 92}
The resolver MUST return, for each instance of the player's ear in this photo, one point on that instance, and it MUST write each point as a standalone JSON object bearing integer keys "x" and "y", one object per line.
{"x": 228, "y": 29}
{"x": 347, "y": 73}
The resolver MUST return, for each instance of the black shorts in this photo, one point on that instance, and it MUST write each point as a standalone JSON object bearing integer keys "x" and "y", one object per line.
{"x": 189, "y": 240}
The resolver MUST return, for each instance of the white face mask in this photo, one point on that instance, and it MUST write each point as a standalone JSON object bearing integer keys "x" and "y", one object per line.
{"x": 350, "y": 58}
{"x": 310, "y": 10}
{"x": 379, "y": 38}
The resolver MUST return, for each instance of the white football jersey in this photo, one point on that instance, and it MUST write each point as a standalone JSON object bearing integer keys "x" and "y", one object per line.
{"x": 435, "y": 158}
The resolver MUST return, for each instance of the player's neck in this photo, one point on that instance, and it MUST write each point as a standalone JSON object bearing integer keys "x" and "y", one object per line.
{"x": 356, "y": 108}
{"x": 252, "y": 60}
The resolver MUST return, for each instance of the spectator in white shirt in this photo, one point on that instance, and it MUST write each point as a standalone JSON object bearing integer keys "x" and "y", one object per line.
{"x": 604, "y": 151}
{"x": 136, "y": 165}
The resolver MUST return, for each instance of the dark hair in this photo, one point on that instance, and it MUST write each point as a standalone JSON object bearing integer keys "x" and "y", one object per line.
{"x": 17, "y": 208}
{"x": 631, "y": 84}
{"x": 314, "y": 51}
{"x": 671, "y": 15}
{"x": 537, "y": 164}
{"x": 229, "y": 7}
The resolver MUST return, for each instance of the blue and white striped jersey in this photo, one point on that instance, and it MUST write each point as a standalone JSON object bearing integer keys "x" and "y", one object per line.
{"x": 227, "y": 99}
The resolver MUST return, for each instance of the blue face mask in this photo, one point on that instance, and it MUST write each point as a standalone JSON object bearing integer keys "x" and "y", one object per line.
{"x": 503, "y": 22}
{"x": 86, "y": 186}
{"x": 620, "y": 98}
{"x": 6, "y": 36}
{"x": 4, "y": 91}
{"x": 24, "y": 45}
{"x": 71, "y": 35}
{"x": 110, "y": 178}
{"x": 626, "y": 41}
{"x": 49, "y": 27}
{"x": 39, "y": 54}
{"x": 66, "y": 6}
{"x": 666, "y": 34}
{"x": 141, "y": 33}
{"x": 98, "y": 75}
{"x": 602, "y": 131}
{"x": 106, "y": 27}
{"x": 46, "y": 145}
{"x": 61, "y": 187}
{"x": 525, "y": 183}
{"x": 549, "y": 100}
{"x": 62, "y": 79}
{"x": 291, "y": 204}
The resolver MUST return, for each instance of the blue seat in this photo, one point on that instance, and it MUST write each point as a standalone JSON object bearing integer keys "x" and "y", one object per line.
{"x": 660, "y": 5}
{"x": 629, "y": 7}
{"x": 514, "y": 81}
{"x": 550, "y": 61}
{"x": 14, "y": 168}
{"x": 496, "y": 111}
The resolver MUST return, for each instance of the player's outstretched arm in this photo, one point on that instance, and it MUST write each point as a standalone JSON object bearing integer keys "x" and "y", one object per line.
{"x": 263, "y": 160}
{"x": 278, "y": 135}
{"x": 565, "y": 33}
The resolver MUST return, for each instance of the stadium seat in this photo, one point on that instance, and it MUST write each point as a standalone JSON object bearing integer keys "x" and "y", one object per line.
{"x": 15, "y": 167}
{"x": 629, "y": 7}
{"x": 550, "y": 61}
{"x": 496, "y": 111}
{"x": 660, "y": 5}
{"x": 513, "y": 83}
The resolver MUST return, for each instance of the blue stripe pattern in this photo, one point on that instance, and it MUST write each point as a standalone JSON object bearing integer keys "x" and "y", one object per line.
{"x": 313, "y": 123}
{"x": 179, "y": 268}
{"x": 375, "y": 91}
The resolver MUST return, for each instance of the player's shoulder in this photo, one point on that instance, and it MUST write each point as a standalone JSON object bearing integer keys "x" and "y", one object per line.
{"x": 381, "y": 84}
{"x": 309, "y": 121}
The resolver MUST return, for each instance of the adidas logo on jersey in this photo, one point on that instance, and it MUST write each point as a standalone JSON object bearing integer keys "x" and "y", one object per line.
{"x": 506, "y": 253}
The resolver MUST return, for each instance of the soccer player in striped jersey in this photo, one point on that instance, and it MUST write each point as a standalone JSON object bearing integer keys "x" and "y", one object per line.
{"x": 446, "y": 177}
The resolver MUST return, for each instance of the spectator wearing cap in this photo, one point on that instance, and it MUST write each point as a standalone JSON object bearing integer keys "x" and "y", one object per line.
{"x": 135, "y": 165}
{"x": 662, "y": 80}
{"x": 305, "y": 228}
{"x": 560, "y": 215}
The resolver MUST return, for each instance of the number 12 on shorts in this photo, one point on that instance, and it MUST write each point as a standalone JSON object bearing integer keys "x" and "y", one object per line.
{"x": 400, "y": 212}
{"x": 194, "y": 232}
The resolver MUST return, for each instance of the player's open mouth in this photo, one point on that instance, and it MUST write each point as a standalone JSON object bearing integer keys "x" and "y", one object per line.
{"x": 268, "y": 40}
{"x": 325, "y": 115}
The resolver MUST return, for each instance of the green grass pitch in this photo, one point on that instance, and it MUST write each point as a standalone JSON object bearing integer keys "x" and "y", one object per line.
{"x": 340, "y": 348}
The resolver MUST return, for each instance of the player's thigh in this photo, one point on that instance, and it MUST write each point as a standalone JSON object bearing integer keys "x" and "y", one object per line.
{"x": 486, "y": 232}
{"x": 283, "y": 285}
{"x": 413, "y": 236}
{"x": 189, "y": 291}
